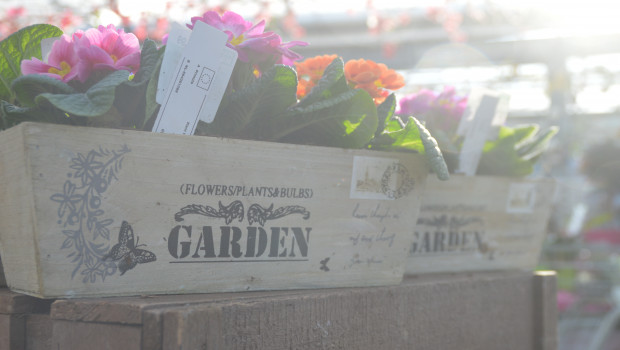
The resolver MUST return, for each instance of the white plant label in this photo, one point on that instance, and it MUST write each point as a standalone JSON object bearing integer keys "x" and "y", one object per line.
{"x": 198, "y": 82}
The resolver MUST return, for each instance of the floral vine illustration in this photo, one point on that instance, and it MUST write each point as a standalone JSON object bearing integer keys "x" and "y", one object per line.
{"x": 80, "y": 214}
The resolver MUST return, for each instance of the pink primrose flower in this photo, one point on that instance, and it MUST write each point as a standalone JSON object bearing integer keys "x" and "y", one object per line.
{"x": 289, "y": 57}
{"x": 439, "y": 111}
{"x": 450, "y": 103}
{"x": 107, "y": 48}
{"x": 417, "y": 103}
{"x": 62, "y": 62}
{"x": 251, "y": 42}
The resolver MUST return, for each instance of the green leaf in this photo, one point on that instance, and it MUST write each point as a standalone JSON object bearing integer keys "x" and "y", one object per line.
{"x": 130, "y": 101}
{"x": 433, "y": 154}
{"x": 246, "y": 109}
{"x": 11, "y": 115}
{"x": 27, "y": 87}
{"x": 449, "y": 147}
{"x": 533, "y": 149}
{"x": 95, "y": 102}
{"x": 23, "y": 44}
{"x": 385, "y": 111}
{"x": 151, "y": 90}
{"x": 399, "y": 136}
{"x": 501, "y": 158}
{"x": 149, "y": 58}
{"x": 412, "y": 136}
{"x": 331, "y": 84}
{"x": 348, "y": 120}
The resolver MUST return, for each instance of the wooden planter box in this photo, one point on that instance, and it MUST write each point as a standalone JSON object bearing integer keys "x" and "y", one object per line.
{"x": 99, "y": 212}
{"x": 473, "y": 223}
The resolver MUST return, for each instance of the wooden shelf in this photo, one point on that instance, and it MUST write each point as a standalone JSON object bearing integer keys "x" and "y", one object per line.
{"x": 503, "y": 310}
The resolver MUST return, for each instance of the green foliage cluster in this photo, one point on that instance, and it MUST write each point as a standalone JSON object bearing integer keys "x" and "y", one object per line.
{"x": 264, "y": 108}
{"x": 116, "y": 99}
{"x": 515, "y": 151}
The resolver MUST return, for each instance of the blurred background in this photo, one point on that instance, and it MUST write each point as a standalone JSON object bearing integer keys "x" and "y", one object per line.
{"x": 558, "y": 60}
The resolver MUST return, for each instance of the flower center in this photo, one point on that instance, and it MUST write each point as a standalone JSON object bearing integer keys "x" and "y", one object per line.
{"x": 65, "y": 68}
{"x": 114, "y": 58}
{"x": 238, "y": 40}
{"x": 445, "y": 103}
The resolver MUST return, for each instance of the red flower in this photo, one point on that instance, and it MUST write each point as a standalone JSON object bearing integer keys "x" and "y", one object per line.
{"x": 376, "y": 78}
{"x": 310, "y": 71}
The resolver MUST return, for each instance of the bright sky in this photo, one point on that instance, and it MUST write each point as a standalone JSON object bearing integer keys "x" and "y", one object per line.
{"x": 572, "y": 16}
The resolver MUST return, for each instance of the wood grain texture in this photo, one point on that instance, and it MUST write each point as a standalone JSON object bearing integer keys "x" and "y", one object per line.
{"x": 24, "y": 322}
{"x": 478, "y": 223}
{"x": 95, "y": 336}
{"x": 2, "y": 278}
{"x": 490, "y": 312}
{"x": 18, "y": 246}
{"x": 38, "y": 332}
{"x": 494, "y": 310}
{"x": 16, "y": 303}
{"x": 12, "y": 332}
{"x": 546, "y": 311}
{"x": 203, "y": 214}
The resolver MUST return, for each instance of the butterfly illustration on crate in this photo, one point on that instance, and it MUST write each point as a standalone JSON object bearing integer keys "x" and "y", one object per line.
{"x": 126, "y": 251}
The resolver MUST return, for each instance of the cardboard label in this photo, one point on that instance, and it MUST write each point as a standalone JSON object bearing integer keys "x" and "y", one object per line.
{"x": 486, "y": 110}
{"x": 177, "y": 39}
{"x": 195, "y": 91}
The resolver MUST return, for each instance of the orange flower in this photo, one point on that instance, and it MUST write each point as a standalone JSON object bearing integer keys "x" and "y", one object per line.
{"x": 310, "y": 71}
{"x": 376, "y": 78}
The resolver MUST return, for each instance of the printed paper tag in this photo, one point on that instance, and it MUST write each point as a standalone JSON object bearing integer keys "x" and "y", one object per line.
{"x": 177, "y": 39}
{"x": 521, "y": 198}
{"x": 196, "y": 89}
{"x": 486, "y": 109}
{"x": 218, "y": 86}
{"x": 379, "y": 178}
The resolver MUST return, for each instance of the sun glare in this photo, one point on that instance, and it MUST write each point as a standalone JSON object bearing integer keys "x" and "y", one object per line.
{"x": 572, "y": 18}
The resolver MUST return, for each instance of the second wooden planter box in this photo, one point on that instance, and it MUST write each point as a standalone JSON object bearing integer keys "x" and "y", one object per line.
{"x": 99, "y": 212}
{"x": 477, "y": 223}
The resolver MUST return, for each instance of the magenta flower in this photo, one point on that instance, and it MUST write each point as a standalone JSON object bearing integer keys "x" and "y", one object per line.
{"x": 439, "y": 111}
{"x": 107, "y": 48}
{"x": 251, "y": 42}
{"x": 450, "y": 103}
{"x": 62, "y": 62}
{"x": 289, "y": 57}
{"x": 417, "y": 103}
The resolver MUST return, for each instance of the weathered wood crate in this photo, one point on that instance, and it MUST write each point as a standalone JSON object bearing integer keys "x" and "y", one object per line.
{"x": 2, "y": 278}
{"x": 510, "y": 311}
{"x": 25, "y": 322}
{"x": 100, "y": 212}
{"x": 473, "y": 223}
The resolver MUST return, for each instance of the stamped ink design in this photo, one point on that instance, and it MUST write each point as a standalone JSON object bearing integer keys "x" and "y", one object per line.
{"x": 324, "y": 264}
{"x": 521, "y": 198}
{"x": 229, "y": 212}
{"x": 235, "y": 210}
{"x": 126, "y": 251}
{"x": 380, "y": 178}
{"x": 80, "y": 213}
